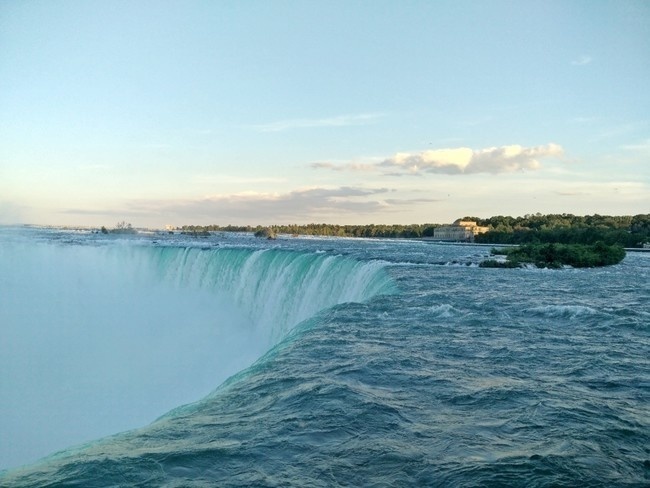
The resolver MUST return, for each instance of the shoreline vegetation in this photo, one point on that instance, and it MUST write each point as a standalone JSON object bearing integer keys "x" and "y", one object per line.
{"x": 120, "y": 228}
{"x": 625, "y": 231}
{"x": 548, "y": 241}
{"x": 556, "y": 256}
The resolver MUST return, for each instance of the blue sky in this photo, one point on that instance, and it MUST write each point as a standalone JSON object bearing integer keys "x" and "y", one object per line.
{"x": 262, "y": 112}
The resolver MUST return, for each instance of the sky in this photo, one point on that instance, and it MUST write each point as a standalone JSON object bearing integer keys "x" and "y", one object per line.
{"x": 349, "y": 112}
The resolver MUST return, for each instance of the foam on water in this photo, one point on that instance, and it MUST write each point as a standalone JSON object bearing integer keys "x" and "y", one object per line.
{"x": 568, "y": 311}
{"x": 444, "y": 310}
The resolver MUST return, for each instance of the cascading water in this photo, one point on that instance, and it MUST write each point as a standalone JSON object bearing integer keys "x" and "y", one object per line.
{"x": 277, "y": 289}
{"x": 98, "y": 338}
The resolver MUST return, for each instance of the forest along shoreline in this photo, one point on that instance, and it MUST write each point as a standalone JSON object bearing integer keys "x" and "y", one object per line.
{"x": 550, "y": 241}
{"x": 628, "y": 231}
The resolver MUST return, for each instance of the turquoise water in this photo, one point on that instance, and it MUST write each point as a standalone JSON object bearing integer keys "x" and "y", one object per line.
{"x": 350, "y": 362}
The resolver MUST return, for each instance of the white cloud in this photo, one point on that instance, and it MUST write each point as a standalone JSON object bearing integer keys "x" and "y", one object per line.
{"x": 642, "y": 147}
{"x": 455, "y": 161}
{"x": 221, "y": 179}
{"x": 504, "y": 159}
{"x": 448, "y": 161}
{"x": 269, "y": 207}
{"x": 441, "y": 200}
{"x": 582, "y": 61}
{"x": 338, "y": 121}
{"x": 580, "y": 120}
{"x": 344, "y": 167}
{"x": 507, "y": 159}
{"x": 317, "y": 204}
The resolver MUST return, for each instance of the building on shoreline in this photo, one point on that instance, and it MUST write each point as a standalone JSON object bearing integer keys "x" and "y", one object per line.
{"x": 460, "y": 230}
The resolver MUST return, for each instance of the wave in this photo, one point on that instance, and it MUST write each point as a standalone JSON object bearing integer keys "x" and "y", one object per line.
{"x": 563, "y": 311}
{"x": 444, "y": 310}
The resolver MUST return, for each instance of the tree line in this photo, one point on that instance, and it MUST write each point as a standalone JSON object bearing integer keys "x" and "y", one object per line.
{"x": 556, "y": 256}
{"x": 626, "y": 231}
{"x": 371, "y": 230}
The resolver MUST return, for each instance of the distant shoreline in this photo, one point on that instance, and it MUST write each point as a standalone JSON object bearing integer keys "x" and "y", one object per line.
{"x": 480, "y": 244}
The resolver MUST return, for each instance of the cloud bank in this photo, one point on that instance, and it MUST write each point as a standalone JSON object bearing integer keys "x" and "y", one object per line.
{"x": 272, "y": 207}
{"x": 303, "y": 205}
{"x": 457, "y": 161}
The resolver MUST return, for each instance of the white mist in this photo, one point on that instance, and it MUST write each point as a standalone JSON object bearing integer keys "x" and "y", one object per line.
{"x": 93, "y": 343}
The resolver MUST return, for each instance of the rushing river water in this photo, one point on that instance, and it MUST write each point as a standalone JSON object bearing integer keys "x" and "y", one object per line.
{"x": 234, "y": 361}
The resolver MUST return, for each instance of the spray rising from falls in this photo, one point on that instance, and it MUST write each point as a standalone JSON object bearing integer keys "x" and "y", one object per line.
{"x": 97, "y": 339}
